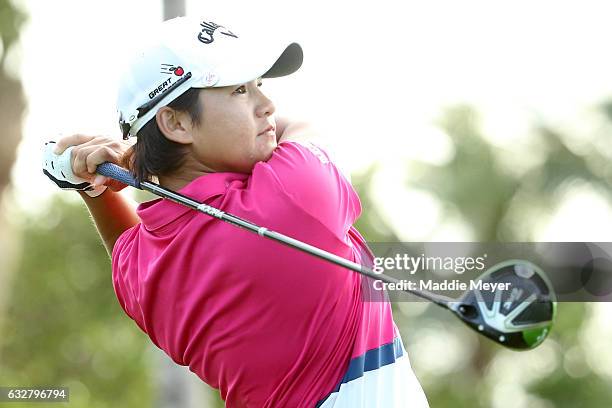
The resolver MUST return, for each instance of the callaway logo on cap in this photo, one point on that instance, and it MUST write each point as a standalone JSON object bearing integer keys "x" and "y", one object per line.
{"x": 208, "y": 30}
{"x": 185, "y": 53}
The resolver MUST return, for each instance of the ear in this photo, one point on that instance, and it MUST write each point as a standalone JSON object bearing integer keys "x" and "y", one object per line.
{"x": 175, "y": 125}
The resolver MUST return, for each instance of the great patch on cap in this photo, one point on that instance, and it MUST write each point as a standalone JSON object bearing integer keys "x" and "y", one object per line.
{"x": 188, "y": 52}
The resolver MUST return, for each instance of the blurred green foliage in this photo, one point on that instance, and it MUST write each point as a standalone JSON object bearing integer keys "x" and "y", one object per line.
{"x": 497, "y": 205}
{"x": 11, "y": 20}
{"x": 64, "y": 326}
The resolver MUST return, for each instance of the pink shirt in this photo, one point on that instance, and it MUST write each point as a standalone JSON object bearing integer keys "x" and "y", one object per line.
{"x": 266, "y": 324}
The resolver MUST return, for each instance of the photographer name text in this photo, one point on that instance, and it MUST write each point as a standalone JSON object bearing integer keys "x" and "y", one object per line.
{"x": 447, "y": 285}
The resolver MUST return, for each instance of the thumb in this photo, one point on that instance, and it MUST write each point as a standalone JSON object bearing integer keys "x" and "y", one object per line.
{"x": 107, "y": 181}
{"x": 99, "y": 180}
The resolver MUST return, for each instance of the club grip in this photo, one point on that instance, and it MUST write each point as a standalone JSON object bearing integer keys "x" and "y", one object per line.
{"x": 117, "y": 173}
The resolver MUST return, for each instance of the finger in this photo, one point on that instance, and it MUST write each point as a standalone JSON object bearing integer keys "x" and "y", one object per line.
{"x": 72, "y": 140}
{"x": 86, "y": 160}
{"x": 118, "y": 147}
{"x": 104, "y": 141}
{"x": 79, "y": 160}
{"x": 100, "y": 155}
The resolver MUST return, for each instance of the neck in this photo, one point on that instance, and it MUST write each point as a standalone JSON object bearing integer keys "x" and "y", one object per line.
{"x": 185, "y": 175}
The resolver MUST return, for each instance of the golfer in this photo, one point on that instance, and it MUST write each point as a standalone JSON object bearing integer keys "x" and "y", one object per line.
{"x": 265, "y": 324}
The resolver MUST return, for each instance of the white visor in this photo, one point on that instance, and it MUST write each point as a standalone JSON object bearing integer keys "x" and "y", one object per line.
{"x": 188, "y": 52}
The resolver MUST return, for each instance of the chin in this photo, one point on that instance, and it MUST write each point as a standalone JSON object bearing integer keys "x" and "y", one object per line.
{"x": 262, "y": 156}
{"x": 268, "y": 154}
{"x": 268, "y": 148}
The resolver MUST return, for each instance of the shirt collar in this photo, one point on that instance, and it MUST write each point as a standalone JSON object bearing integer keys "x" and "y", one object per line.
{"x": 158, "y": 213}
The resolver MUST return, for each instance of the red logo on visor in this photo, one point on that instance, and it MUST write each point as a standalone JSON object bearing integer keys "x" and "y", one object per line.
{"x": 169, "y": 68}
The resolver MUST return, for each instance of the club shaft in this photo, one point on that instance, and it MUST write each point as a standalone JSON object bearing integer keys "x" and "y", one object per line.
{"x": 117, "y": 173}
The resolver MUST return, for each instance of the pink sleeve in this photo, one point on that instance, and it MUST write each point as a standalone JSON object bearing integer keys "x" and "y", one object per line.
{"x": 308, "y": 176}
{"x": 119, "y": 265}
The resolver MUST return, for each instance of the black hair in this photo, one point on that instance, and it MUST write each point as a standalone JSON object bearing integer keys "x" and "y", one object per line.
{"x": 155, "y": 155}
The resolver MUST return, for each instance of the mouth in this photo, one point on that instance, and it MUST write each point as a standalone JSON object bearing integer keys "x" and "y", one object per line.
{"x": 269, "y": 129}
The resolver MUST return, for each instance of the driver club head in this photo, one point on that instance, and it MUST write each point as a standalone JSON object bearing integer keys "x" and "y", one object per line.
{"x": 521, "y": 316}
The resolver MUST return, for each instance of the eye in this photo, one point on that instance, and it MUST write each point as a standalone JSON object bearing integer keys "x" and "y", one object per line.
{"x": 241, "y": 90}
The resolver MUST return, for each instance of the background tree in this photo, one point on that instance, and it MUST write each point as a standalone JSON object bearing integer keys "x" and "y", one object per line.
{"x": 501, "y": 205}
{"x": 12, "y": 106}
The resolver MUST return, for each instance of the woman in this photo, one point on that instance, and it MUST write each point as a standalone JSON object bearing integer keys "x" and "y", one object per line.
{"x": 267, "y": 325}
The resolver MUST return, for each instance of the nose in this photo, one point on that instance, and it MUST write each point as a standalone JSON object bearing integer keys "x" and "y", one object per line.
{"x": 265, "y": 107}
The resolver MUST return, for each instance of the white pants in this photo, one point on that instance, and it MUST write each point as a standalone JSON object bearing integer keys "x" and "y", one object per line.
{"x": 392, "y": 385}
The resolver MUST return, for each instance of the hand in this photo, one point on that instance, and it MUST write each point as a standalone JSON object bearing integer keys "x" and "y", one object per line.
{"x": 71, "y": 162}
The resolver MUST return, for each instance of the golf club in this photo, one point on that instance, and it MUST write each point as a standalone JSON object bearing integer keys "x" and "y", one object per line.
{"x": 520, "y": 319}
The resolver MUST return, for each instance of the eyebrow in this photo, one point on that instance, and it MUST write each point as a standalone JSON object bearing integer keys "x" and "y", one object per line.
{"x": 260, "y": 79}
